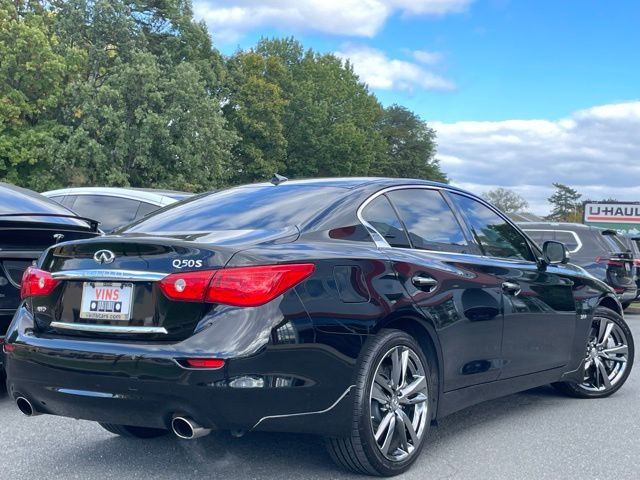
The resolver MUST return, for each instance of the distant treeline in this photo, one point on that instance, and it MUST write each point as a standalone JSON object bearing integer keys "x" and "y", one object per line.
{"x": 132, "y": 93}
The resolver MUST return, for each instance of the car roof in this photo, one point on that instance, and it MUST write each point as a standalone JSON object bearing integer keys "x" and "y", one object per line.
{"x": 156, "y": 197}
{"x": 554, "y": 226}
{"x": 354, "y": 182}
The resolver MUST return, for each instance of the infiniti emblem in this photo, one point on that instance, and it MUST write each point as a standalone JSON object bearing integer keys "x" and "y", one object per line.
{"x": 104, "y": 256}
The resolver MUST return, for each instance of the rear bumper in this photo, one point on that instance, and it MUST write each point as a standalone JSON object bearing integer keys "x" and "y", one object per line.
{"x": 293, "y": 388}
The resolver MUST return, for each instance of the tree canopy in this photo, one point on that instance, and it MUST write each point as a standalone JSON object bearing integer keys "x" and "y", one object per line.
{"x": 506, "y": 200}
{"x": 566, "y": 205}
{"x": 133, "y": 93}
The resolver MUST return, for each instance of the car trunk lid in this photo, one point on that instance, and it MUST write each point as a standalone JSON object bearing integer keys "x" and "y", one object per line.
{"x": 109, "y": 287}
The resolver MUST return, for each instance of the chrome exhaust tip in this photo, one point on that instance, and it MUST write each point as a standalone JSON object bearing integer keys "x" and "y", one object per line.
{"x": 25, "y": 407}
{"x": 187, "y": 429}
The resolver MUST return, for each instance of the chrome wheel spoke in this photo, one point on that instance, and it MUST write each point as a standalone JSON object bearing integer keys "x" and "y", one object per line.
{"x": 409, "y": 426}
{"x": 402, "y": 431}
{"x": 396, "y": 368}
{"x": 379, "y": 395}
{"x": 604, "y": 375}
{"x": 404, "y": 363}
{"x": 415, "y": 400}
{"x": 587, "y": 365}
{"x": 384, "y": 425}
{"x": 606, "y": 327}
{"x": 417, "y": 385}
{"x": 383, "y": 383}
{"x": 389, "y": 437}
{"x": 604, "y": 356}
{"x": 618, "y": 349}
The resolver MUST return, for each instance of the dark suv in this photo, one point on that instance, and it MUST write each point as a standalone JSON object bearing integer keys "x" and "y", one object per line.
{"x": 603, "y": 253}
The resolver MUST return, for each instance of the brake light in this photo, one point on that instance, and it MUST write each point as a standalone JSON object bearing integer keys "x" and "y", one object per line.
{"x": 36, "y": 283}
{"x": 8, "y": 348}
{"x": 636, "y": 262}
{"x": 609, "y": 261}
{"x": 187, "y": 286}
{"x": 254, "y": 286}
{"x": 239, "y": 286}
{"x": 211, "y": 363}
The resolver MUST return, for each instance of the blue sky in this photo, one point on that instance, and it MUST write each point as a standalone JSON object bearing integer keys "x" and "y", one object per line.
{"x": 567, "y": 70}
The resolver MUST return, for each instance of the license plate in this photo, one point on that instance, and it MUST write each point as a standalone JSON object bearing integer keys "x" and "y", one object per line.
{"x": 106, "y": 301}
{"x": 627, "y": 267}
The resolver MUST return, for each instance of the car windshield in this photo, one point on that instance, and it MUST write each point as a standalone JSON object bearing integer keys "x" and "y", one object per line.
{"x": 266, "y": 207}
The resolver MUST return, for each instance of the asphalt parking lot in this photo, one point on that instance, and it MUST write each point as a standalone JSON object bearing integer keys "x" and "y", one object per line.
{"x": 536, "y": 434}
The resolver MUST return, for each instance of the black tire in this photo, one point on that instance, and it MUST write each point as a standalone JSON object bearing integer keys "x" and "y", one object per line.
{"x": 359, "y": 452}
{"x": 134, "y": 432}
{"x": 583, "y": 390}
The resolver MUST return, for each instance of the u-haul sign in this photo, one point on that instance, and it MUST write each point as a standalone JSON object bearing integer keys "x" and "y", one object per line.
{"x": 612, "y": 213}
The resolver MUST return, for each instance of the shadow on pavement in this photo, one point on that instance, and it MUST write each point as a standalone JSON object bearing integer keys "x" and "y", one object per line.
{"x": 262, "y": 455}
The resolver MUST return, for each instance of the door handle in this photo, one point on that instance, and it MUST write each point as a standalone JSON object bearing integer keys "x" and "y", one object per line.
{"x": 511, "y": 288}
{"x": 426, "y": 283}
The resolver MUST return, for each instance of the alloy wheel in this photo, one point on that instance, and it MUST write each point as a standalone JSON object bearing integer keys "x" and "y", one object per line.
{"x": 606, "y": 357}
{"x": 399, "y": 403}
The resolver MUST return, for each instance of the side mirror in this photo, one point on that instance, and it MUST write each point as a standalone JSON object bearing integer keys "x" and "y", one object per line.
{"x": 554, "y": 252}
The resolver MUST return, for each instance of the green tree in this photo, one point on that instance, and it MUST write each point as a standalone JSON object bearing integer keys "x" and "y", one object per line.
{"x": 255, "y": 107}
{"x": 330, "y": 121}
{"x": 410, "y": 147}
{"x": 146, "y": 111}
{"x": 506, "y": 200}
{"x": 34, "y": 69}
{"x": 148, "y": 124}
{"x": 566, "y": 206}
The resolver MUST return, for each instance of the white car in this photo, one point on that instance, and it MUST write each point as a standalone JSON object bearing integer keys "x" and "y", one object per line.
{"x": 114, "y": 207}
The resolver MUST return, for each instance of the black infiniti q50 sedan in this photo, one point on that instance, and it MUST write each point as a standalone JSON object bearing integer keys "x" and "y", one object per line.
{"x": 358, "y": 309}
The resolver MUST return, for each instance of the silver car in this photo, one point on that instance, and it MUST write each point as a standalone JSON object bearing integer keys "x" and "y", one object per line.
{"x": 114, "y": 207}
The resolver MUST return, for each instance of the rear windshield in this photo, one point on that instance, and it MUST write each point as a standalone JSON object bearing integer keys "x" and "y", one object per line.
{"x": 19, "y": 200}
{"x": 615, "y": 243}
{"x": 14, "y": 200}
{"x": 244, "y": 208}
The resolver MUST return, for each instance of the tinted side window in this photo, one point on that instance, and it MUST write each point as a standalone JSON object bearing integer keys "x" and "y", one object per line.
{"x": 111, "y": 212}
{"x": 145, "y": 209}
{"x": 429, "y": 220}
{"x": 569, "y": 239}
{"x": 497, "y": 237}
{"x": 383, "y": 218}
{"x": 67, "y": 200}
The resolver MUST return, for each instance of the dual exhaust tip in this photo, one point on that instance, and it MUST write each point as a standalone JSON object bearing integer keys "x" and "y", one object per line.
{"x": 182, "y": 427}
{"x": 187, "y": 429}
{"x": 26, "y": 407}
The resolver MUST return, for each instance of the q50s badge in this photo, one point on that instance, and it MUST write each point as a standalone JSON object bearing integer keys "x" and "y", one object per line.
{"x": 177, "y": 263}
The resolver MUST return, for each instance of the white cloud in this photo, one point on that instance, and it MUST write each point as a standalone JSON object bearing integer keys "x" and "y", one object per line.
{"x": 229, "y": 20}
{"x": 427, "y": 57}
{"x": 596, "y": 151}
{"x": 384, "y": 73}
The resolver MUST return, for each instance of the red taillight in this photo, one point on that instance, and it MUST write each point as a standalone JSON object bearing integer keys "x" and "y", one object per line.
{"x": 8, "y": 347}
{"x": 187, "y": 286}
{"x": 609, "y": 261}
{"x": 240, "y": 286}
{"x": 636, "y": 262}
{"x": 36, "y": 283}
{"x": 254, "y": 286}
{"x": 211, "y": 363}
